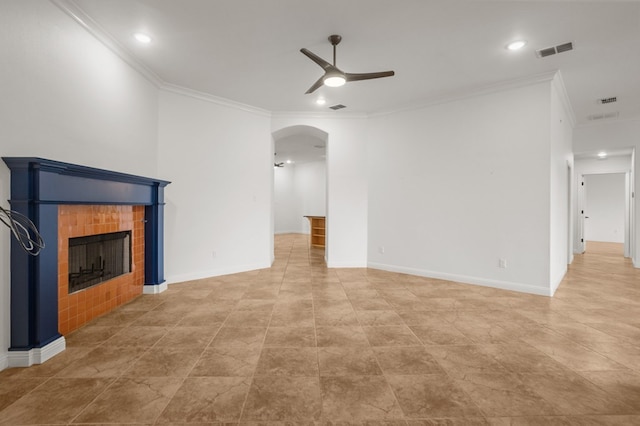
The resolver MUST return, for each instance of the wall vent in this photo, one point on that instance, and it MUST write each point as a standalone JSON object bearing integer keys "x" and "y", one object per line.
{"x": 548, "y": 51}
{"x": 610, "y": 100}
{"x": 337, "y": 107}
{"x": 608, "y": 115}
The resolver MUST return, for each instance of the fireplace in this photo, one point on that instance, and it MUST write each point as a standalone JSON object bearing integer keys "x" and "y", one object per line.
{"x": 46, "y": 191}
{"x": 97, "y": 258}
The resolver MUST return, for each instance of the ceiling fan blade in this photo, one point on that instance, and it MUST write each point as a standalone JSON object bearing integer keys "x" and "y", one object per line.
{"x": 317, "y": 59}
{"x": 315, "y": 86}
{"x": 369, "y": 75}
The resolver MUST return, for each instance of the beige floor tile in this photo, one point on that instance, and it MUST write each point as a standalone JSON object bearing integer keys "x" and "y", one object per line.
{"x": 439, "y": 333}
{"x": 103, "y": 361}
{"x": 283, "y": 399}
{"x": 207, "y": 399}
{"x": 459, "y": 361}
{"x": 341, "y": 336}
{"x": 13, "y": 388}
{"x": 571, "y": 394}
{"x": 391, "y": 335}
{"x": 227, "y": 361}
{"x": 504, "y": 395}
{"x": 622, "y": 384}
{"x": 239, "y": 336}
{"x": 335, "y": 317}
{"x": 189, "y": 337}
{"x": 165, "y": 362}
{"x": 376, "y": 318}
{"x": 358, "y": 398}
{"x": 451, "y": 421}
{"x": 302, "y": 362}
{"x": 521, "y": 358}
{"x": 434, "y": 395}
{"x": 91, "y": 335}
{"x": 347, "y": 361}
{"x": 131, "y": 400}
{"x": 60, "y": 401}
{"x": 290, "y": 337}
{"x": 248, "y": 319}
{"x": 406, "y": 360}
{"x": 293, "y": 314}
{"x": 139, "y": 336}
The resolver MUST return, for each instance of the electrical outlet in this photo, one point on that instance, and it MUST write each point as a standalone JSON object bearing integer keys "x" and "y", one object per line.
{"x": 381, "y": 249}
{"x": 214, "y": 254}
{"x": 502, "y": 263}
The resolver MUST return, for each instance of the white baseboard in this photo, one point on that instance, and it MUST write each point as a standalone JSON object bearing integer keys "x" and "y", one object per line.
{"x": 504, "y": 285}
{"x": 346, "y": 264}
{"x": 4, "y": 362}
{"x": 36, "y": 355}
{"x": 154, "y": 289}
{"x": 216, "y": 272}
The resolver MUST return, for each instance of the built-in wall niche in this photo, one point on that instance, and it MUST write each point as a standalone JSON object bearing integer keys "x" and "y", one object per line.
{"x": 94, "y": 259}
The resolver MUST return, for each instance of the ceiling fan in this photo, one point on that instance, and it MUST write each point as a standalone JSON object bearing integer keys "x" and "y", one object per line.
{"x": 334, "y": 76}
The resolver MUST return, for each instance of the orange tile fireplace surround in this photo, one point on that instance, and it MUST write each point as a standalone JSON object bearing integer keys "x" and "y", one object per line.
{"x": 82, "y": 306}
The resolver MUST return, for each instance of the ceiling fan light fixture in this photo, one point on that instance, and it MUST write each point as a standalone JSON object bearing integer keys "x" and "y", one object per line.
{"x": 516, "y": 45}
{"x": 142, "y": 38}
{"x": 334, "y": 80}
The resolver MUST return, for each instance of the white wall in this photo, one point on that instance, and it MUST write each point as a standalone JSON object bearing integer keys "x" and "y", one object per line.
{"x": 346, "y": 184}
{"x": 287, "y": 207}
{"x": 561, "y": 164}
{"x": 612, "y": 135}
{"x": 455, "y": 187}
{"x": 220, "y": 161}
{"x": 311, "y": 188}
{"x": 604, "y": 205}
{"x": 66, "y": 97}
{"x": 299, "y": 190}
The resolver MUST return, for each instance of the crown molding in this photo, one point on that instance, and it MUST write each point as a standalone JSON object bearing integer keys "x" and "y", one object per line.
{"x": 558, "y": 83}
{"x": 472, "y": 92}
{"x": 77, "y": 14}
{"x": 203, "y": 96}
{"x": 319, "y": 115}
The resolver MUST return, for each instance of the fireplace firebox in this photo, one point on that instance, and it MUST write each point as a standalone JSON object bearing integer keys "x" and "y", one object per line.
{"x": 97, "y": 258}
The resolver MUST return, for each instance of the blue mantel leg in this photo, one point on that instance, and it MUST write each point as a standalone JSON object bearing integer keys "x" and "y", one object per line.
{"x": 34, "y": 283}
{"x": 154, "y": 243}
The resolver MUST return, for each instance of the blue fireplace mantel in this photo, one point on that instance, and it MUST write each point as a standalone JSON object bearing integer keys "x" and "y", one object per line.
{"x": 38, "y": 186}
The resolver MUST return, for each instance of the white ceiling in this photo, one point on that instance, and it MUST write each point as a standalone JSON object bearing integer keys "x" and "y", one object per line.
{"x": 247, "y": 51}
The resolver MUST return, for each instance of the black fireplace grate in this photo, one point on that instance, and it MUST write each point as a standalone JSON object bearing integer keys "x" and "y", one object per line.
{"x": 97, "y": 258}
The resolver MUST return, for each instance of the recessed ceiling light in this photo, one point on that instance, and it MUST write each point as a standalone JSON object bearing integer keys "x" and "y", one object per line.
{"x": 516, "y": 45}
{"x": 602, "y": 154}
{"x": 142, "y": 38}
{"x": 321, "y": 101}
{"x": 289, "y": 161}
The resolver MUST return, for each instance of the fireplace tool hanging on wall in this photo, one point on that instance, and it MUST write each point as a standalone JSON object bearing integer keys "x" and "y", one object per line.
{"x": 23, "y": 230}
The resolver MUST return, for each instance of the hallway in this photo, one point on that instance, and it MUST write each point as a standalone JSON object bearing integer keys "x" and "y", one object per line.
{"x": 302, "y": 343}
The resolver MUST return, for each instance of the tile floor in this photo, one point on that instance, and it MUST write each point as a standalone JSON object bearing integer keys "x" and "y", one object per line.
{"x": 300, "y": 343}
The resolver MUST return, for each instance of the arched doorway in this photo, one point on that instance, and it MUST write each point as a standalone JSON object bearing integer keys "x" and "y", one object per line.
{"x": 300, "y": 182}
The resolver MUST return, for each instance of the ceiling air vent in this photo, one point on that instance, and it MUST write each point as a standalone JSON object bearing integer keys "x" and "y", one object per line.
{"x": 548, "y": 51}
{"x": 610, "y": 100}
{"x": 337, "y": 107}
{"x": 608, "y": 115}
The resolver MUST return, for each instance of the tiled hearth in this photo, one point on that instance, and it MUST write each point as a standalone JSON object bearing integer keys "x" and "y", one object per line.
{"x": 78, "y": 308}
